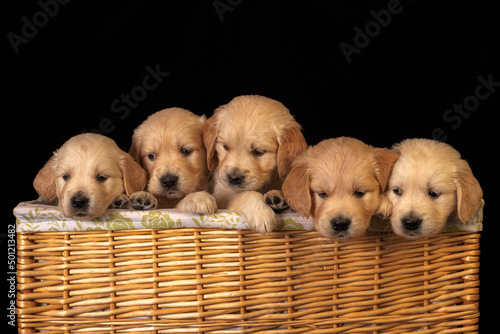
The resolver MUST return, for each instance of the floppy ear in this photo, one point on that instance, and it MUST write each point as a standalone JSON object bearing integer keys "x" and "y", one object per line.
{"x": 291, "y": 144}
{"x": 296, "y": 189}
{"x": 209, "y": 136}
{"x": 384, "y": 161}
{"x": 134, "y": 177}
{"x": 135, "y": 148}
{"x": 45, "y": 180}
{"x": 469, "y": 192}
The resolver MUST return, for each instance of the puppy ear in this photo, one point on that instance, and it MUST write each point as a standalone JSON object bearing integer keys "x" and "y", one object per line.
{"x": 135, "y": 148}
{"x": 384, "y": 209}
{"x": 134, "y": 177}
{"x": 291, "y": 144}
{"x": 209, "y": 136}
{"x": 296, "y": 189}
{"x": 469, "y": 192}
{"x": 45, "y": 180}
{"x": 384, "y": 161}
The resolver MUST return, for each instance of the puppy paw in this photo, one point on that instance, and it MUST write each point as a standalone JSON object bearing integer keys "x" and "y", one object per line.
{"x": 142, "y": 200}
{"x": 385, "y": 208}
{"x": 121, "y": 202}
{"x": 276, "y": 201}
{"x": 262, "y": 221}
{"x": 199, "y": 202}
{"x": 251, "y": 204}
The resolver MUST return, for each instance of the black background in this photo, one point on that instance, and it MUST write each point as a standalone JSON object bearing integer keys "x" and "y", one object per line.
{"x": 64, "y": 79}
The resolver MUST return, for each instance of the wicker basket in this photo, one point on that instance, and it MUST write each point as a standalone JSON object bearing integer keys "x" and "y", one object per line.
{"x": 183, "y": 280}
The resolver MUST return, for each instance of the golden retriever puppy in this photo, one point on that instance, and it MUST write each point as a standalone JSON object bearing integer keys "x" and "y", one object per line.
{"x": 430, "y": 184}
{"x": 340, "y": 183}
{"x": 251, "y": 142}
{"x": 87, "y": 175}
{"x": 169, "y": 146}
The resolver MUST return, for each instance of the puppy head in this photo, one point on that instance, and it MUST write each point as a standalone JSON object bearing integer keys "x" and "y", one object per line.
{"x": 339, "y": 182}
{"x": 169, "y": 146}
{"x": 429, "y": 184}
{"x": 86, "y": 174}
{"x": 251, "y": 142}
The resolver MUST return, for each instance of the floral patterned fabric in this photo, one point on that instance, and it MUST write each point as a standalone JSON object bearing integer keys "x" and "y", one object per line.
{"x": 38, "y": 217}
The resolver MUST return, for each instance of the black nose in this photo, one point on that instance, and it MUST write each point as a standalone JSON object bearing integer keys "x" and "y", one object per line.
{"x": 411, "y": 223}
{"x": 340, "y": 224}
{"x": 235, "y": 178}
{"x": 80, "y": 201}
{"x": 169, "y": 181}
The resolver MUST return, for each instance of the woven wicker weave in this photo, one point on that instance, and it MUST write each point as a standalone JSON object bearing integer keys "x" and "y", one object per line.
{"x": 234, "y": 281}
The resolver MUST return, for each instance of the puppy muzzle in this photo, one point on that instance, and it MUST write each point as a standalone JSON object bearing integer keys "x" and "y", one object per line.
{"x": 411, "y": 223}
{"x": 236, "y": 178}
{"x": 340, "y": 224}
{"x": 169, "y": 182}
{"x": 80, "y": 204}
{"x": 169, "y": 186}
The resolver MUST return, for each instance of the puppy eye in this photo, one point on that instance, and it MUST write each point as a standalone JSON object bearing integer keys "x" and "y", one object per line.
{"x": 258, "y": 153}
{"x": 151, "y": 156}
{"x": 101, "y": 178}
{"x": 66, "y": 177}
{"x": 433, "y": 194}
{"x": 359, "y": 194}
{"x": 225, "y": 147}
{"x": 397, "y": 191}
{"x": 185, "y": 152}
{"x": 323, "y": 195}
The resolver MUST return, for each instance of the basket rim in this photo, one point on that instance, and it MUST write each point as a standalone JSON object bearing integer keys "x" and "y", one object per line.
{"x": 37, "y": 216}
